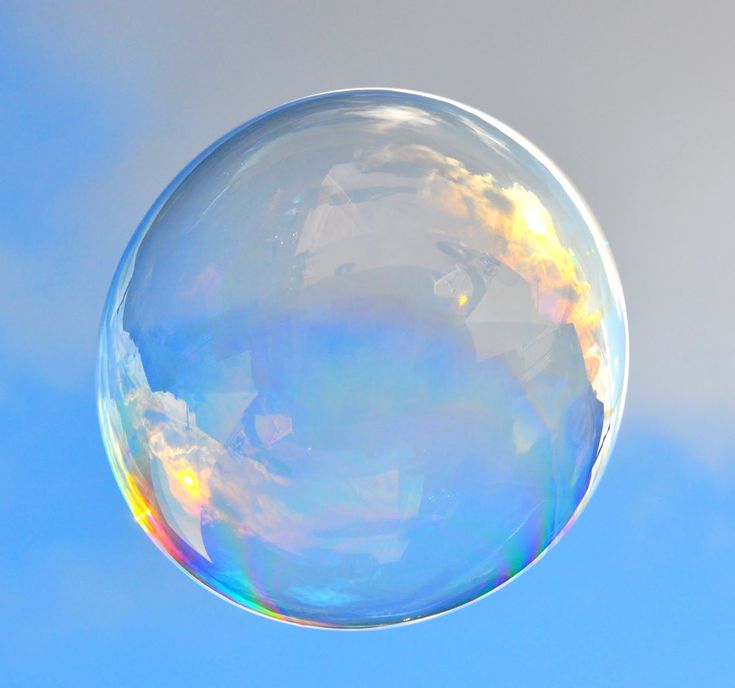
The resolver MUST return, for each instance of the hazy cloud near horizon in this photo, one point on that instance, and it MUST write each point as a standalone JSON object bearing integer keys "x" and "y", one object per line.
{"x": 634, "y": 103}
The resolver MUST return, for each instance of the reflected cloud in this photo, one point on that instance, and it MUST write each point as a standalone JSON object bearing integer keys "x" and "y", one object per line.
{"x": 181, "y": 478}
{"x": 521, "y": 233}
{"x": 387, "y": 117}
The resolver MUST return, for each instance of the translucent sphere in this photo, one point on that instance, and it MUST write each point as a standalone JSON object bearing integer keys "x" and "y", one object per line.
{"x": 363, "y": 361}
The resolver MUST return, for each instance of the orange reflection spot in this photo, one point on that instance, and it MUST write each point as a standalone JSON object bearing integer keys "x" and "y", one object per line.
{"x": 188, "y": 480}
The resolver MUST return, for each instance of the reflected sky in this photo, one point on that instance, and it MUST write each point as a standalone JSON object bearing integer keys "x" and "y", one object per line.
{"x": 363, "y": 361}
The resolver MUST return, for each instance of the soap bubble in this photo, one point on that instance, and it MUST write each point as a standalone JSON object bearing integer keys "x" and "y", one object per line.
{"x": 363, "y": 361}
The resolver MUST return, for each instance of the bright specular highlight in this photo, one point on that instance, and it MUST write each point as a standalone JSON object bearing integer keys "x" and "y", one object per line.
{"x": 363, "y": 361}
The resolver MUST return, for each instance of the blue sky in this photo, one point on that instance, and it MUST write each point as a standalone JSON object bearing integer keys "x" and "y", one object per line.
{"x": 100, "y": 108}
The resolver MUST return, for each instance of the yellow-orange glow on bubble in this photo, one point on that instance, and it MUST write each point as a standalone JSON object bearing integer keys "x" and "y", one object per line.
{"x": 532, "y": 247}
{"x": 145, "y": 514}
{"x": 190, "y": 484}
{"x": 535, "y": 251}
{"x": 538, "y": 223}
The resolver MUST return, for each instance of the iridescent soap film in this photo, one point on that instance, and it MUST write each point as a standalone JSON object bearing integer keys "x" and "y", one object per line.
{"x": 363, "y": 361}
